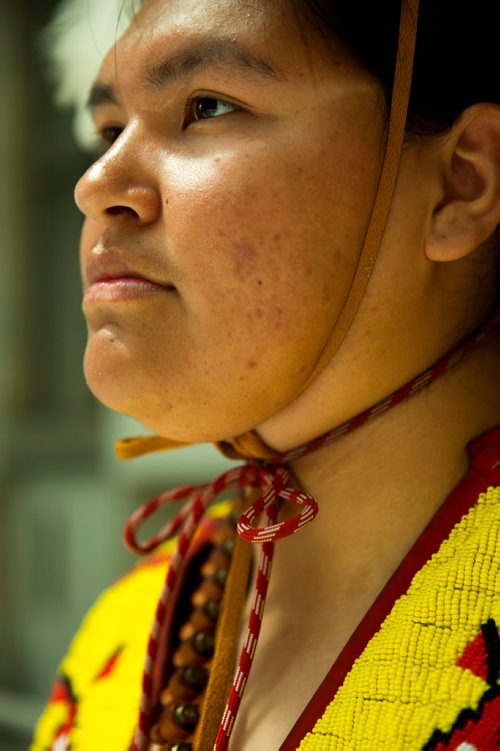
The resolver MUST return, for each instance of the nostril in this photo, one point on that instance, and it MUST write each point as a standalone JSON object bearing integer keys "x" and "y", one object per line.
{"x": 117, "y": 210}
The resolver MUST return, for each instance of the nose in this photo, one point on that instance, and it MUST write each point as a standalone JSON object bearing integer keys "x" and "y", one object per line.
{"x": 120, "y": 187}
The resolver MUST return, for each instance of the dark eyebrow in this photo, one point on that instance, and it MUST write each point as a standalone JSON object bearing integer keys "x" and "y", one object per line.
{"x": 101, "y": 93}
{"x": 219, "y": 52}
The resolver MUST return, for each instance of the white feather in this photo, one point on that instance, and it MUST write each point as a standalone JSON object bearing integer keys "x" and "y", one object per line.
{"x": 75, "y": 42}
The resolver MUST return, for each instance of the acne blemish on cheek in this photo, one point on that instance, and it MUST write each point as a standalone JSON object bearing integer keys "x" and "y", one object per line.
{"x": 278, "y": 323}
{"x": 339, "y": 258}
{"x": 244, "y": 256}
{"x": 257, "y": 313}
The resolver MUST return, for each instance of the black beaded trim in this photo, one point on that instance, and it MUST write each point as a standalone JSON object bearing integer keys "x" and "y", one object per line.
{"x": 465, "y": 716}
{"x": 492, "y": 641}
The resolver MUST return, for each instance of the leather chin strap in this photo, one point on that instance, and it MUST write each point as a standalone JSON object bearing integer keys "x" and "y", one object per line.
{"x": 246, "y": 446}
{"x": 249, "y": 445}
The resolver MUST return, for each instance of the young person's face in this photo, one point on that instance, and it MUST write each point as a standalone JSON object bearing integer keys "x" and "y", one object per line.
{"x": 226, "y": 215}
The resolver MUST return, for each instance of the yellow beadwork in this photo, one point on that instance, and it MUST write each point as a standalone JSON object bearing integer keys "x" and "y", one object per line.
{"x": 108, "y": 708}
{"x": 406, "y": 683}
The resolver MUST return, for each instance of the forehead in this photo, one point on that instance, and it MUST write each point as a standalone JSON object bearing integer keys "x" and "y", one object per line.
{"x": 220, "y": 16}
{"x": 263, "y": 35}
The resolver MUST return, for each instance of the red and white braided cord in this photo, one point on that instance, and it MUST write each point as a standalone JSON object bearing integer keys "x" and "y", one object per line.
{"x": 188, "y": 519}
{"x": 273, "y": 478}
{"x": 250, "y": 644}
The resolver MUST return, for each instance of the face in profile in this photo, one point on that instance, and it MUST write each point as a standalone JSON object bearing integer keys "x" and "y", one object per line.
{"x": 225, "y": 215}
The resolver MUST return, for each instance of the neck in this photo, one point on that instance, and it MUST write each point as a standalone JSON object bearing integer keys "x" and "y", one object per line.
{"x": 379, "y": 486}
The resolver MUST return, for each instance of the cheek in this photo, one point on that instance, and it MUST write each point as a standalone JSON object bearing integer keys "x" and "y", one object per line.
{"x": 269, "y": 234}
{"x": 262, "y": 243}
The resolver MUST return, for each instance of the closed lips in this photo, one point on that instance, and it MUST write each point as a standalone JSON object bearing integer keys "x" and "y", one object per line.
{"x": 105, "y": 268}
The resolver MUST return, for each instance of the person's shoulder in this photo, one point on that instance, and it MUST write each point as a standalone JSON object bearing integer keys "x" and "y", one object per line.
{"x": 95, "y": 697}
{"x": 104, "y": 663}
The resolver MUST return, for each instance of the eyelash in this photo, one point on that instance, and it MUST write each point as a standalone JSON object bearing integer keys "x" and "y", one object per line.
{"x": 193, "y": 115}
{"x": 109, "y": 134}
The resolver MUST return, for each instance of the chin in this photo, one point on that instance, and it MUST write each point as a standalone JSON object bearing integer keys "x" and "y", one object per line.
{"x": 190, "y": 406}
{"x": 166, "y": 411}
{"x": 111, "y": 376}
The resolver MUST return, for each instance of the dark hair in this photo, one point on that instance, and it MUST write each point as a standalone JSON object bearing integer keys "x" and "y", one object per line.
{"x": 456, "y": 60}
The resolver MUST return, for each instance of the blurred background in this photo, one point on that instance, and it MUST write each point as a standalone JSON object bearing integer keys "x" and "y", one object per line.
{"x": 64, "y": 498}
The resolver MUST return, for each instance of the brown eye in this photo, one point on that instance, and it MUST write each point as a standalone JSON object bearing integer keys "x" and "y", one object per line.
{"x": 109, "y": 134}
{"x": 206, "y": 108}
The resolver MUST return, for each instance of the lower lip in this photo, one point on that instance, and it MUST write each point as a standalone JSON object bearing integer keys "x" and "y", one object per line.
{"x": 124, "y": 288}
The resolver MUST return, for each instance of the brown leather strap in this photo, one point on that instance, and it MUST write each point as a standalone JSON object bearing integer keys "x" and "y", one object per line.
{"x": 249, "y": 445}
{"x": 386, "y": 185}
{"x": 246, "y": 446}
{"x": 129, "y": 448}
{"x": 227, "y": 637}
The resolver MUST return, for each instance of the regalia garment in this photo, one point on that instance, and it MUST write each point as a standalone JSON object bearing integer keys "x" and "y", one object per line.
{"x": 421, "y": 671}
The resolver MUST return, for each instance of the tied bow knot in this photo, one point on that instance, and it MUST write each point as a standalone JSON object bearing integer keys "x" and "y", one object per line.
{"x": 273, "y": 480}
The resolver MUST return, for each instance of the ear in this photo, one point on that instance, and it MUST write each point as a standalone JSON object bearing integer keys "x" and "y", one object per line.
{"x": 469, "y": 210}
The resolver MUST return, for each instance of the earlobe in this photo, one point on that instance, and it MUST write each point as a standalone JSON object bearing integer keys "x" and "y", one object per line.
{"x": 469, "y": 211}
